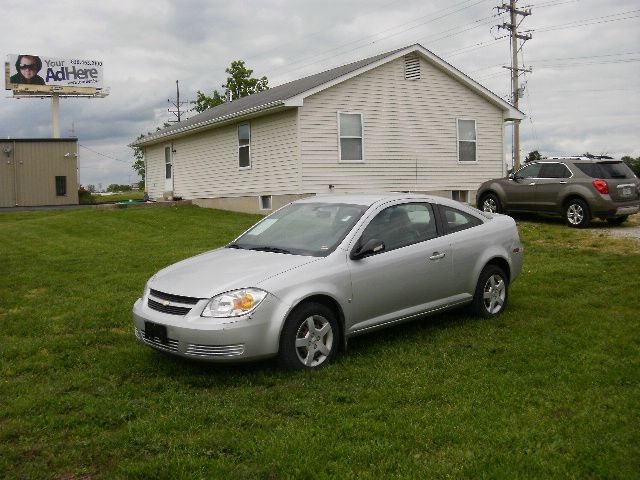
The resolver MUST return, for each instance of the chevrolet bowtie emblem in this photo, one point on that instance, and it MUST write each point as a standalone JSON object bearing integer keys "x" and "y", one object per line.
{"x": 166, "y": 303}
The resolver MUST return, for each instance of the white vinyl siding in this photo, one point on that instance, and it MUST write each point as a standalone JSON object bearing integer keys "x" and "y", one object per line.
{"x": 350, "y": 137}
{"x": 411, "y": 133}
{"x": 206, "y": 164}
{"x": 155, "y": 171}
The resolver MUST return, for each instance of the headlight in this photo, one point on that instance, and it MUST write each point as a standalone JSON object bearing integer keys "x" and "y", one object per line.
{"x": 235, "y": 303}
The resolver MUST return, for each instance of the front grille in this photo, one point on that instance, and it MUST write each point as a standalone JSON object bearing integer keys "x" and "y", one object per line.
{"x": 170, "y": 309}
{"x": 215, "y": 350}
{"x": 171, "y": 346}
{"x": 174, "y": 298}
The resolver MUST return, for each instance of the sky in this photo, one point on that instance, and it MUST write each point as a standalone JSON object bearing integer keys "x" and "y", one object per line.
{"x": 582, "y": 94}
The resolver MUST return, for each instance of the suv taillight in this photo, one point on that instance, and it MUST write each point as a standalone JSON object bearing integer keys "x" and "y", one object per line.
{"x": 602, "y": 186}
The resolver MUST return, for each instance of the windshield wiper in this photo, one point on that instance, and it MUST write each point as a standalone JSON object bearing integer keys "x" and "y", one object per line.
{"x": 270, "y": 249}
{"x": 235, "y": 245}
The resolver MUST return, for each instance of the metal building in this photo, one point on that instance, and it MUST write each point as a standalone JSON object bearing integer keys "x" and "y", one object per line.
{"x": 38, "y": 172}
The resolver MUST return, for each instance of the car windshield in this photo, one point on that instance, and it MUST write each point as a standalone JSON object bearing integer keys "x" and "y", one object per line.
{"x": 314, "y": 229}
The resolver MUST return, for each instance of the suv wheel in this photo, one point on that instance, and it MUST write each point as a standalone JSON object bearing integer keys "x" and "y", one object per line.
{"x": 577, "y": 213}
{"x": 491, "y": 203}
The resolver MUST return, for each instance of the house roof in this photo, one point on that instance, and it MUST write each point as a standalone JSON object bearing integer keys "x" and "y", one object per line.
{"x": 292, "y": 94}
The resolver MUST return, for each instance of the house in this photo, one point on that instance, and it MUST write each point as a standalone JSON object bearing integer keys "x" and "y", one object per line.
{"x": 38, "y": 171}
{"x": 401, "y": 121}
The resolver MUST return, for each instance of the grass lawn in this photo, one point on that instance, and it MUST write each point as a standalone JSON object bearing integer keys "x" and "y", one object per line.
{"x": 551, "y": 389}
{"x": 118, "y": 197}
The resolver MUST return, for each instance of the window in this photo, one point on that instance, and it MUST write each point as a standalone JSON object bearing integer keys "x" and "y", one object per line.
{"x": 554, "y": 170}
{"x": 609, "y": 170}
{"x": 167, "y": 162}
{"x": 530, "y": 171}
{"x": 350, "y": 128}
{"x": 402, "y": 225}
{"x": 466, "y": 140}
{"x": 244, "y": 145}
{"x": 460, "y": 195}
{"x": 61, "y": 186}
{"x": 265, "y": 202}
{"x": 456, "y": 221}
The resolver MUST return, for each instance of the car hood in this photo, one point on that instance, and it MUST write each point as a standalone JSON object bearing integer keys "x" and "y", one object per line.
{"x": 224, "y": 269}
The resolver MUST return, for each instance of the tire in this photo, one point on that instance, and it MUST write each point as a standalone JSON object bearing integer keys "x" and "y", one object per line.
{"x": 577, "y": 214}
{"x": 490, "y": 203}
{"x": 492, "y": 292}
{"x": 617, "y": 220}
{"x": 310, "y": 338}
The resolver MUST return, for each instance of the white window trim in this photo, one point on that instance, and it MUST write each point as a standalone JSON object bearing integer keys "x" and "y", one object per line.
{"x": 248, "y": 167}
{"x": 260, "y": 197}
{"x": 361, "y": 137}
{"x": 164, "y": 154}
{"x": 475, "y": 132}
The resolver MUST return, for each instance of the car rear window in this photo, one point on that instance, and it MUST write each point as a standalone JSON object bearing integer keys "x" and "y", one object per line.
{"x": 606, "y": 170}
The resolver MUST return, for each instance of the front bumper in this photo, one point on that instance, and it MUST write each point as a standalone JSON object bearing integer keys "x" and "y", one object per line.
{"x": 191, "y": 336}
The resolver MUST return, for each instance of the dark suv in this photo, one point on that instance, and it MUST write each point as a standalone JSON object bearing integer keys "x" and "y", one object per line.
{"x": 576, "y": 188}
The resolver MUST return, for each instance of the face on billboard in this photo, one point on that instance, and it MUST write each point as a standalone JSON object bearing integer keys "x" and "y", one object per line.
{"x": 27, "y": 69}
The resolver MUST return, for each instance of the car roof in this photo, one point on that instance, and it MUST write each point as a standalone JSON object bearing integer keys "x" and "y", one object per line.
{"x": 366, "y": 199}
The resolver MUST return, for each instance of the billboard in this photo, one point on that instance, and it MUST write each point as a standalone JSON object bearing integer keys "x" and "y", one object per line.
{"x": 34, "y": 74}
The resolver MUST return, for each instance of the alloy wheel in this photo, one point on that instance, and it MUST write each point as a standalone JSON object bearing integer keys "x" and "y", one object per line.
{"x": 494, "y": 294}
{"x": 314, "y": 340}
{"x": 575, "y": 214}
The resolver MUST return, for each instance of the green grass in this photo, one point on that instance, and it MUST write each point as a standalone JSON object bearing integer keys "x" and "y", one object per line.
{"x": 548, "y": 390}
{"x": 118, "y": 197}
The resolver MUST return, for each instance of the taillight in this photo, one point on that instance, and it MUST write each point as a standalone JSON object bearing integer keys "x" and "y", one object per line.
{"x": 602, "y": 186}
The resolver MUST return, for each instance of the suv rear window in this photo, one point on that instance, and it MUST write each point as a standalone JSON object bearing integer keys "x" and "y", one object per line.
{"x": 606, "y": 170}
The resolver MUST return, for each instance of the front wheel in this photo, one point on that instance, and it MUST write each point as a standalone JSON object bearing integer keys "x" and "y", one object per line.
{"x": 577, "y": 213}
{"x": 491, "y": 203}
{"x": 492, "y": 292}
{"x": 310, "y": 338}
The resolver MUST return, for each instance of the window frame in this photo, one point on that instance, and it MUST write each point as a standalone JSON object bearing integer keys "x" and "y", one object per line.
{"x": 168, "y": 163}
{"x": 340, "y": 137}
{"x": 247, "y": 146}
{"x": 475, "y": 141}
{"x": 261, "y": 199}
{"x": 64, "y": 185}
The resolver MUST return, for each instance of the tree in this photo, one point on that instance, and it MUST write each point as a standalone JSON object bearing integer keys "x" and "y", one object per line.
{"x": 239, "y": 84}
{"x": 91, "y": 188}
{"x": 533, "y": 156}
{"x": 633, "y": 163}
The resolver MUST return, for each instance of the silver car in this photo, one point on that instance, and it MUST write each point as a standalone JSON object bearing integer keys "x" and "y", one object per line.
{"x": 305, "y": 279}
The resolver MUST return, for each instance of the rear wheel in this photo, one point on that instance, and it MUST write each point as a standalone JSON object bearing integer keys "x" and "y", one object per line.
{"x": 491, "y": 203}
{"x": 617, "y": 220}
{"x": 492, "y": 292}
{"x": 577, "y": 213}
{"x": 310, "y": 338}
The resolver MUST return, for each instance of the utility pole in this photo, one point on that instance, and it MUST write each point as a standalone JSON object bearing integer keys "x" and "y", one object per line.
{"x": 516, "y": 92}
{"x": 178, "y": 112}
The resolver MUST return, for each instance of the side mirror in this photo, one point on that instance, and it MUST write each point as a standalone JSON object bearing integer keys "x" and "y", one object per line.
{"x": 372, "y": 246}
{"x": 512, "y": 176}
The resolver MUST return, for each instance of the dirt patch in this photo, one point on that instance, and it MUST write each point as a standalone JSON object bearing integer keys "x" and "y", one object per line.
{"x": 629, "y": 229}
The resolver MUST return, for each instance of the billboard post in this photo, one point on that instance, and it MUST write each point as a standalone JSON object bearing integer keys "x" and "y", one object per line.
{"x": 55, "y": 114}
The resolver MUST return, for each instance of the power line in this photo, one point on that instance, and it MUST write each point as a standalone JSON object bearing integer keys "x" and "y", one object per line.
{"x": 104, "y": 154}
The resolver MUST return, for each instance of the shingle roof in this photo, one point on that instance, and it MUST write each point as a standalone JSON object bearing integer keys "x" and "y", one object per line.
{"x": 276, "y": 96}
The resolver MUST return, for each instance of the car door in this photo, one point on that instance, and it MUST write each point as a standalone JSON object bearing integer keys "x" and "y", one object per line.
{"x": 520, "y": 191}
{"x": 553, "y": 178}
{"x": 412, "y": 274}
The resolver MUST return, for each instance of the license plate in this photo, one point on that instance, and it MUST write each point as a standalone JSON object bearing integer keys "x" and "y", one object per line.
{"x": 153, "y": 331}
{"x": 626, "y": 191}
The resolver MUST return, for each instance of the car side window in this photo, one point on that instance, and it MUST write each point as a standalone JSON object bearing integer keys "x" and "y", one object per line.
{"x": 554, "y": 170}
{"x": 530, "y": 171}
{"x": 402, "y": 225}
{"x": 456, "y": 220}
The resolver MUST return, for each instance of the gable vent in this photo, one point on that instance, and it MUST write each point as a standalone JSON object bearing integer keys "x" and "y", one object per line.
{"x": 411, "y": 67}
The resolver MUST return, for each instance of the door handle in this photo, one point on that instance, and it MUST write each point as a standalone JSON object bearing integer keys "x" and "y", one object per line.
{"x": 437, "y": 256}
{"x": 532, "y": 183}
{"x": 562, "y": 182}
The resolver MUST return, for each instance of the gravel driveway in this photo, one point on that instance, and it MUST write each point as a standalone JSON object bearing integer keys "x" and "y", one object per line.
{"x": 629, "y": 229}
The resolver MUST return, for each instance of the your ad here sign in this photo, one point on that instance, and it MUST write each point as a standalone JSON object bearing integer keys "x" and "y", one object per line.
{"x": 30, "y": 69}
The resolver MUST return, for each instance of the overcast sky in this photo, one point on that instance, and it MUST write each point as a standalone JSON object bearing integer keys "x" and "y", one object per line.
{"x": 583, "y": 94}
